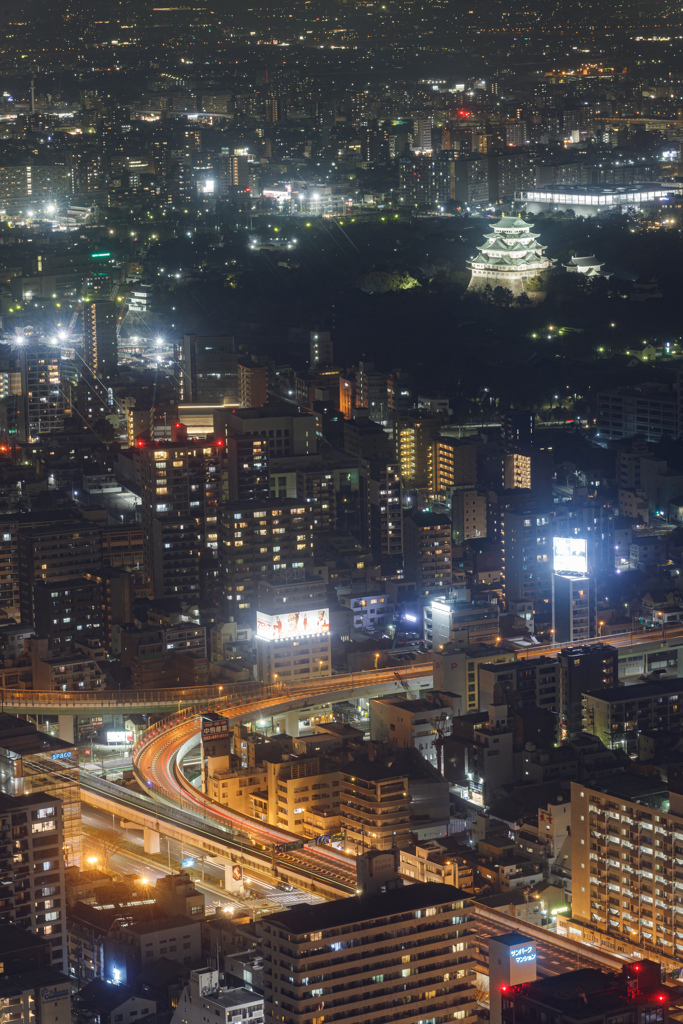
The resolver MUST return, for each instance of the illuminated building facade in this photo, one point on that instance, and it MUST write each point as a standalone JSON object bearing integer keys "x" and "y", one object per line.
{"x": 509, "y": 257}
{"x": 293, "y": 632}
{"x": 627, "y": 856}
{"x": 360, "y": 956}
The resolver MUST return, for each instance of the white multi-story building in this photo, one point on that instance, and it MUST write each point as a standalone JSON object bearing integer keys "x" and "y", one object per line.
{"x": 204, "y": 999}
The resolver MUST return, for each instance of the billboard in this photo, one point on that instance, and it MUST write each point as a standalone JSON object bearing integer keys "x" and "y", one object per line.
{"x": 570, "y": 554}
{"x": 292, "y": 625}
{"x": 120, "y": 738}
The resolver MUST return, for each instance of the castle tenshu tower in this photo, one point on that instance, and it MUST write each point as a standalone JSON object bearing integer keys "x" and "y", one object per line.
{"x": 509, "y": 257}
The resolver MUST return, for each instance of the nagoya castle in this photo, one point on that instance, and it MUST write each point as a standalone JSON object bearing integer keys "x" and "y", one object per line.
{"x": 509, "y": 256}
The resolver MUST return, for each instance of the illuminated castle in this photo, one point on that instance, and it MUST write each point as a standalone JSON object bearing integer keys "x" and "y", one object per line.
{"x": 509, "y": 256}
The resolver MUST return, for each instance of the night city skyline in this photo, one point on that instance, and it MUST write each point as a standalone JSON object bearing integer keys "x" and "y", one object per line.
{"x": 341, "y": 512}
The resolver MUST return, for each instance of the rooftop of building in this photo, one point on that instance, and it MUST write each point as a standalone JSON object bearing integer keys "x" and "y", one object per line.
{"x": 268, "y": 412}
{"x": 14, "y": 803}
{"x": 14, "y": 939}
{"x": 639, "y": 691}
{"x": 427, "y": 520}
{"x": 640, "y": 789}
{"x": 582, "y": 994}
{"x": 15, "y": 984}
{"x": 356, "y": 909}
{"x": 104, "y": 997}
{"x": 230, "y": 997}
{"x": 606, "y": 190}
{"x": 509, "y": 938}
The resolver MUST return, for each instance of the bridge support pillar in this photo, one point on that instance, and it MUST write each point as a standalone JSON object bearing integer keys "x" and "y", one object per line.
{"x": 66, "y": 728}
{"x": 152, "y": 841}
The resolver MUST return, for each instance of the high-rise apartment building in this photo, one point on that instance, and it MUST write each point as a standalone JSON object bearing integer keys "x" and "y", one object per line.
{"x": 626, "y": 856}
{"x": 248, "y": 474}
{"x": 32, "y": 889}
{"x": 413, "y": 440}
{"x": 173, "y": 490}
{"x": 40, "y": 406}
{"x": 583, "y": 669}
{"x": 252, "y": 384}
{"x": 256, "y": 540}
{"x": 427, "y": 551}
{"x": 527, "y": 556}
{"x": 356, "y": 960}
{"x": 375, "y": 807}
{"x": 54, "y": 552}
{"x": 381, "y": 515}
{"x": 469, "y": 511}
{"x": 100, "y": 346}
{"x": 321, "y": 349}
{"x": 453, "y": 464}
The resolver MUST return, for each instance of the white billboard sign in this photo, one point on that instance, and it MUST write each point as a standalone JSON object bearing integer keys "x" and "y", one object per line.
{"x": 292, "y": 625}
{"x": 570, "y": 554}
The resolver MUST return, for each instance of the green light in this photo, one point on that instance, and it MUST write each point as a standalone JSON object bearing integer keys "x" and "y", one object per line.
{"x": 99, "y": 255}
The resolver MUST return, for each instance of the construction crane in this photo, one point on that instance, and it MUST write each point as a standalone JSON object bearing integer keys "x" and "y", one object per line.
{"x": 406, "y": 687}
{"x": 440, "y": 724}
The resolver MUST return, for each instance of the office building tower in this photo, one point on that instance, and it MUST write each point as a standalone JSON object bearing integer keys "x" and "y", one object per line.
{"x": 381, "y": 515}
{"x": 293, "y": 640}
{"x": 208, "y": 370}
{"x": 173, "y": 490}
{"x": 427, "y": 551}
{"x": 53, "y": 553}
{"x": 252, "y": 385}
{"x": 287, "y": 432}
{"x": 321, "y": 349}
{"x": 256, "y": 540}
{"x": 583, "y": 669}
{"x": 100, "y": 346}
{"x": 369, "y": 954}
{"x": 32, "y": 889}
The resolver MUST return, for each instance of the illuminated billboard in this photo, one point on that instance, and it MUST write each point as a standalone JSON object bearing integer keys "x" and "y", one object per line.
{"x": 292, "y": 625}
{"x": 570, "y": 555}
